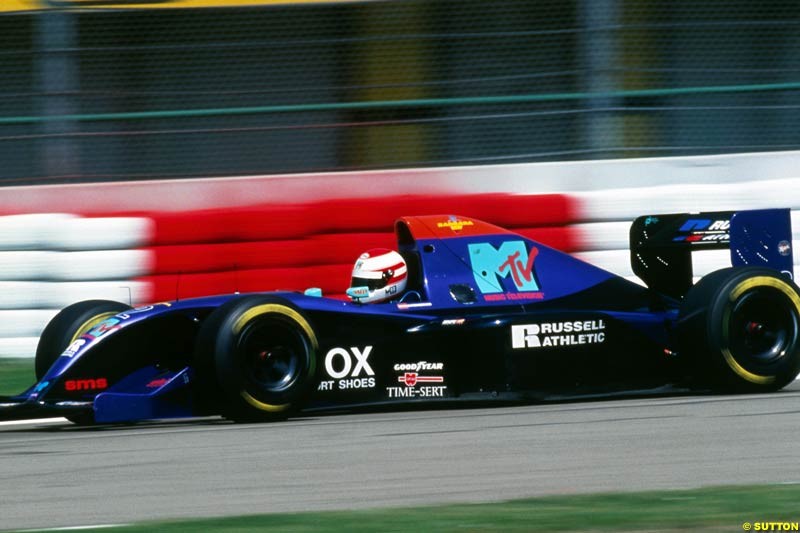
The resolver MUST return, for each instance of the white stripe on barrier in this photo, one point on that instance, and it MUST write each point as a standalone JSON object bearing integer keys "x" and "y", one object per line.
{"x": 598, "y": 236}
{"x": 60, "y": 231}
{"x": 102, "y": 233}
{"x": 528, "y": 178}
{"x": 74, "y": 266}
{"x": 55, "y": 295}
{"x": 101, "y": 265}
{"x": 30, "y": 232}
{"x": 24, "y": 322}
{"x": 18, "y": 347}
{"x": 627, "y": 204}
{"x": 795, "y": 216}
{"x": 23, "y": 265}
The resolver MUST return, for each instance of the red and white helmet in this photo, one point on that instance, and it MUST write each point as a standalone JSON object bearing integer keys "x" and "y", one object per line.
{"x": 378, "y": 276}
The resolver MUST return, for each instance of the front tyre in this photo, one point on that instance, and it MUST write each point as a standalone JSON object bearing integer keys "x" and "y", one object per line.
{"x": 742, "y": 325}
{"x": 69, "y": 324}
{"x": 255, "y": 359}
{"x": 66, "y": 327}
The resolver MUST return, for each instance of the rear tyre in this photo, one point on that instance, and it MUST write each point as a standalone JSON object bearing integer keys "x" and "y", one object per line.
{"x": 741, "y": 326}
{"x": 255, "y": 360}
{"x": 66, "y": 327}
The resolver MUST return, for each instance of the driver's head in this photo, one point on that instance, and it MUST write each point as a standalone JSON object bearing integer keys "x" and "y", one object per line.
{"x": 378, "y": 276}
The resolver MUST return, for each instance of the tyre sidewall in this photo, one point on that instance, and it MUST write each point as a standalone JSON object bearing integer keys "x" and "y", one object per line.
{"x": 68, "y": 325}
{"x": 220, "y": 353}
{"x": 736, "y": 370}
{"x": 704, "y": 331}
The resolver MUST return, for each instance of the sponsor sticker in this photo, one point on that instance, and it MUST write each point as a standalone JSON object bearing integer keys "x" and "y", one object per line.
{"x": 421, "y": 365}
{"x": 349, "y": 369}
{"x": 455, "y": 224}
{"x": 513, "y": 296}
{"x": 412, "y": 378}
{"x": 512, "y": 260}
{"x": 90, "y": 384}
{"x": 416, "y": 385}
{"x": 551, "y": 334}
{"x": 109, "y": 324}
{"x": 703, "y": 230}
{"x": 358, "y": 292}
{"x": 416, "y": 392}
{"x": 73, "y": 348}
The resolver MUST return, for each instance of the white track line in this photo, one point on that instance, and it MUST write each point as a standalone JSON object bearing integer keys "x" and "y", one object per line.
{"x": 34, "y": 421}
{"x": 74, "y": 528}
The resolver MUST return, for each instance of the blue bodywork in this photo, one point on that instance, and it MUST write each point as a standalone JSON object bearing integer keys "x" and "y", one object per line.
{"x": 487, "y": 312}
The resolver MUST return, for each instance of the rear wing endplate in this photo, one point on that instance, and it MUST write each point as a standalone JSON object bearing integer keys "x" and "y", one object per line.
{"x": 661, "y": 246}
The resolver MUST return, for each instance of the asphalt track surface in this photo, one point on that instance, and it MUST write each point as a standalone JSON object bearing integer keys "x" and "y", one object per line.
{"x": 55, "y": 474}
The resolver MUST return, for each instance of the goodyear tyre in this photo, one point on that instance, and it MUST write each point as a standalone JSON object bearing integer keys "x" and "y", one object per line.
{"x": 255, "y": 360}
{"x": 69, "y": 324}
{"x": 64, "y": 328}
{"x": 741, "y": 326}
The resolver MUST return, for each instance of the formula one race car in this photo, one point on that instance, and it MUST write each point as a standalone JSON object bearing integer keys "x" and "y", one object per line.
{"x": 487, "y": 314}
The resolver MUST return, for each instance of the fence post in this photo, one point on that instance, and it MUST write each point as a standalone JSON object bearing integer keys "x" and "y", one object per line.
{"x": 57, "y": 87}
{"x": 600, "y": 24}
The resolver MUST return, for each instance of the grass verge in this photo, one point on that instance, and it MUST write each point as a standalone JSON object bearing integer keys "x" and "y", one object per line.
{"x": 16, "y": 375}
{"x": 705, "y": 510}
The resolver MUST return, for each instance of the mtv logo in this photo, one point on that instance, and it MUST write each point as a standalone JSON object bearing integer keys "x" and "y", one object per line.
{"x": 491, "y": 265}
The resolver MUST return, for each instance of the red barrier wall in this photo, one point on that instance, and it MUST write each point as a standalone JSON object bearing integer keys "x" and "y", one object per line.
{"x": 268, "y": 246}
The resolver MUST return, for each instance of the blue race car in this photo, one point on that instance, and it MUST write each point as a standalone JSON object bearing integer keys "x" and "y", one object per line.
{"x": 484, "y": 314}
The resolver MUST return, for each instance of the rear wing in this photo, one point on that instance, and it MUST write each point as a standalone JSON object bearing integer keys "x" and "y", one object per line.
{"x": 661, "y": 246}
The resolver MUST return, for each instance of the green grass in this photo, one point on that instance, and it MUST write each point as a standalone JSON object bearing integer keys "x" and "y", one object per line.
{"x": 710, "y": 509}
{"x": 16, "y": 375}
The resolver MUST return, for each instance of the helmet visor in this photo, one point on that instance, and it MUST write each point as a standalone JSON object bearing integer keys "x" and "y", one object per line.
{"x": 371, "y": 284}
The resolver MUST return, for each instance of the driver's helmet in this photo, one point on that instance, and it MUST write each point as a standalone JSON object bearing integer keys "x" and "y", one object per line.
{"x": 378, "y": 276}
